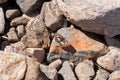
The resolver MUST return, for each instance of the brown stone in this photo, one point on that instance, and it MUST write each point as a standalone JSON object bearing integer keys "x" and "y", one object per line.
{"x": 72, "y": 44}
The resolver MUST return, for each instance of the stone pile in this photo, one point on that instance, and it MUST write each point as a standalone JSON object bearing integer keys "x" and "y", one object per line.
{"x": 59, "y": 40}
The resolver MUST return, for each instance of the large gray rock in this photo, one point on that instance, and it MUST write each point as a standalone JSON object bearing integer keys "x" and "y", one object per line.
{"x": 66, "y": 72}
{"x": 110, "y": 61}
{"x": 28, "y": 6}
{"x": 100, "y": 17}
{"x": 2, "y": 21}
{"x": 85, "y": 70}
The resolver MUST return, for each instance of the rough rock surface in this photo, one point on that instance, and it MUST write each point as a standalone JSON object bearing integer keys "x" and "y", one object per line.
{"x": 115, "y": 75}
{"x": 37, "y": 35}
{"x": 12, "y": 67}
{"x": 110, "y": 61}
{"x": 100, "y": 17}
{"x": 28, "y": 6}
{"x": 2, "y": 21}
{"x": 85, "y": 70}
{"x": 50, "y": 72}
{"x": 74, "y": 48}
{"x": 54, "y": 19}
{"x": 101, "y": 74}
{"x": 12, "y": 13}
{"x": 20, "y": 30}
{"x": 66, "y": 72}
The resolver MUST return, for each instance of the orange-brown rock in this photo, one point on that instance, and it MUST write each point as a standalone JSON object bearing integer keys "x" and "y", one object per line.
{"x": 70, "y": 43}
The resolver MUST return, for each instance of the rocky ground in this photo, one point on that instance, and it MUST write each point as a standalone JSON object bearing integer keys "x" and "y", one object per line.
{"x": 59, "y": 40}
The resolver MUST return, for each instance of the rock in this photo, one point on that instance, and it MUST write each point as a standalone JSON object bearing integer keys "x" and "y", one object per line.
{"x": 21, "y": 30}
{"x": 19, "y": 21}
{"x": 85, "y": 70}
{"x": 56, "y": 64}
{"x": 33, "y": 71}
{"x": 75, "y": 48}
{"x": 4, "y": 44}
{"x": 37, "y": 53}
{"x": 37, "y": 35}
{"x": 50, "y": 72}
{"x": 17, "y": 47}
{"x": 3, "y": 1}
{"x": 66, "y": 72}
{"x": 28, "y": 6}
{"x": 110, "y": 61}
{"x": 101, "y": 74}
{"x": 115, "y": 75}
{"x": 2, "y": 21}
{"x": 13, "y": 66}
{"x": 112, "y": 41}
{"x": 54, "y": 19}
{"x": 101, "y": 17}
{"x": 12, "y": 35}
{"x": 12, "y": 13}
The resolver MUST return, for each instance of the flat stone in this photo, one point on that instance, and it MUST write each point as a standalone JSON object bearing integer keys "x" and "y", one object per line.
{"x": 75, "y": 48}
{"x": 28, "y": 6}
{"x": 85, "y": 70}
{"x": 2, "y": 21}
{"x": 101, "y": 74}
{"x": 66, "y": 72}
{"x": 12, "y": 13}
{"x": 50, "y": 72}
{"x": 21, "y": 30}
{"x": 19, "y": 21}
{"x": 101, "y": 17}
{"x": 54, "y": 19}
{"x": 37, "y": 53}
{"x": 115, "y": 75}
{"x": 110, "y": 61}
